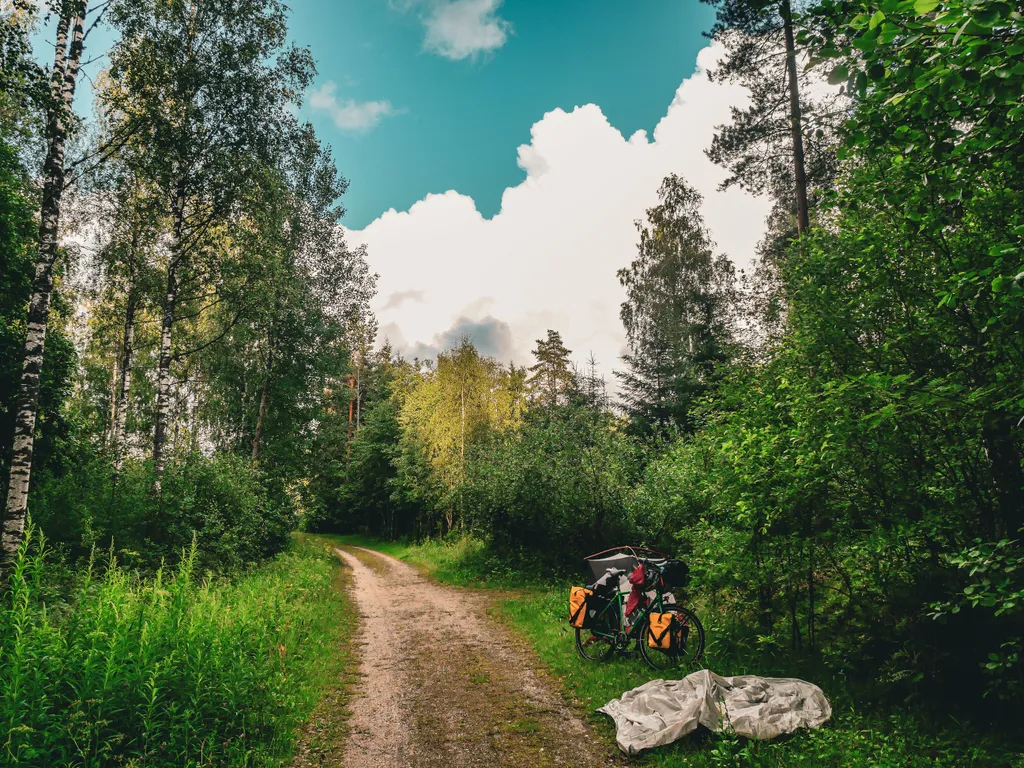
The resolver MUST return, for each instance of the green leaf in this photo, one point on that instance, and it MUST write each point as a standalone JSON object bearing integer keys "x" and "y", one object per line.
{"x": 987, "y": 17}
{"x": 954, "y": 81}
{"x": 888, "y": 33}
{"x": 877, "y": 19}
{"x": 839, "y": 75}
{"x": 922, "y": 7}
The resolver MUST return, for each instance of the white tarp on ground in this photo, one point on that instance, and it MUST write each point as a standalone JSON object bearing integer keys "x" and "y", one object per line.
{"x": 661, "y": 711}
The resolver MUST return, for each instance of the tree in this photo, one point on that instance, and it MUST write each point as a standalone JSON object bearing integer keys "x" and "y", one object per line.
{"x": 781, "y": 145}
{"x": 319, "y": 292}
{"x": 70, "y": 40}
{"x": 553, "y": 379}
{"x": 204, "y": 88}
{"x": 759, "y": 36}
{"x": 450, "y": 409}
{"x": 678, "y": 313}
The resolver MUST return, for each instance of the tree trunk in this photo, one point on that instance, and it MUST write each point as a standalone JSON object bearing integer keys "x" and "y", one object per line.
{"x": 1007, "y": 474}
{"x": 359, "y": 395}
{"x": 124, "y": 385}
{"x": 261, "y": 414}
{"x": 163, "y": 386}
{"x": 108, "y": 431}
{"x": 62, "y": 91}
{"x": 795, "y": 122}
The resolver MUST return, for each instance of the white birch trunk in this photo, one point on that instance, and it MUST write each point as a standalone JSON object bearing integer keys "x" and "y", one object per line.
{"x": 124, "y": 385}
{"x": 62, "y": 90}
{"x": 164, "y": 386}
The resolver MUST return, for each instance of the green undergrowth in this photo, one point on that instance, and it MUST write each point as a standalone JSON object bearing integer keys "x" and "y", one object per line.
{"x": 856, "y": 735}
{"x": 175, "y": 670}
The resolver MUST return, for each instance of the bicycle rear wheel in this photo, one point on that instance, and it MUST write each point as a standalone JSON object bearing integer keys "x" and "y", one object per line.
{"x": 684, "y": 658}
{"x": 597, "y": 643}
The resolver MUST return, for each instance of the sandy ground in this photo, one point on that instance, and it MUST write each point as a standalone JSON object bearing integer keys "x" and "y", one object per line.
{"x": 444, "y": 684}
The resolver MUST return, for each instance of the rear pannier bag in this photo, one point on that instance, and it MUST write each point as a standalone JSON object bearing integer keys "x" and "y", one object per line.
{"x": 585, "y": 605}
{"x": 667, "y": 632}
{"x": 578, "y": 597}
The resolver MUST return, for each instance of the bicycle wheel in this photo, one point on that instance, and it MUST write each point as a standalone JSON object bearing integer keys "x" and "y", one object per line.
{"x": 597, "y": 643}
{"x": 683, "y": 658}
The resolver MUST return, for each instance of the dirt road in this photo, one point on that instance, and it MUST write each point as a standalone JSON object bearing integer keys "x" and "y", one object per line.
{"x": 444, "y": 684}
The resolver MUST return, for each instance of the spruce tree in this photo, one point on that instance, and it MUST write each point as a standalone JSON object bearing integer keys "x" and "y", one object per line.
{"x": 678, "y": 313}
{"x": 553, "y": 378}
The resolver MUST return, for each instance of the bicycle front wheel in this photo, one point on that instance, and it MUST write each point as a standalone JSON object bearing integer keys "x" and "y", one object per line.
{"x": 683, "y": 658}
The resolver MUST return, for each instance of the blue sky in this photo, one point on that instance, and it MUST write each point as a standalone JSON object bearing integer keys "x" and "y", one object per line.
{"x": 501, "y": 153}
{"x": 453, "y": 118}
{"x": 456, "y": 123}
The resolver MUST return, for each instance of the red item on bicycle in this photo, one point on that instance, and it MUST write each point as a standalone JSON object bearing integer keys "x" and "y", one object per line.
{"x": 637, "y": 598}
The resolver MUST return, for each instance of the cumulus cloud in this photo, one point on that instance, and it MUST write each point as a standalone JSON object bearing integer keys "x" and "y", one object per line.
{"x": 491, "y": 337}
{"x": 460, "y": 29}
{"x": 349, "y": 114}
{"x": 548, "y": 258}
{"x": 398, "y": 298}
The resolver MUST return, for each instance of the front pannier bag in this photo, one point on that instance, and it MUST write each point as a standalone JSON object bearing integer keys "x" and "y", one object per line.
{"x": 666, "y": 632}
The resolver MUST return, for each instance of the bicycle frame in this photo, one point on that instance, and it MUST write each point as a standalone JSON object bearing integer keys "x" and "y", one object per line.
{"x": 619, "y": 605}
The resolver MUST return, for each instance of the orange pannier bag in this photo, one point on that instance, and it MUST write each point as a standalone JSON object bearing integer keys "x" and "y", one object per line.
{"x": 578, "y": 605}
{"x": 663, "y": 632}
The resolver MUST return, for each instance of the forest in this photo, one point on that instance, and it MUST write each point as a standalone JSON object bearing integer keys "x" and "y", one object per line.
{"x": 190, "y": 371}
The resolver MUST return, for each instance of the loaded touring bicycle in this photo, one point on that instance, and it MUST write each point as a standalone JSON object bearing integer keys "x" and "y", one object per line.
{"x": 633, "y": 598}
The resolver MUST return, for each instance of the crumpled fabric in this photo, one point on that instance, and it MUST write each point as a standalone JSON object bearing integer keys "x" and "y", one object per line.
{"x": 662, "y": 711}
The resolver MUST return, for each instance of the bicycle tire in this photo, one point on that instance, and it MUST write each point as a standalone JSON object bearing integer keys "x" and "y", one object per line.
{"x": 585, "y": 638}
{"x": 692, "y": 654}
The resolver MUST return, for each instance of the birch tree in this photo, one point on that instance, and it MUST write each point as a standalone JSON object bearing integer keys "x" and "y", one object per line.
{"x": 69, "y": 44}
{"x": 206, "y": 86}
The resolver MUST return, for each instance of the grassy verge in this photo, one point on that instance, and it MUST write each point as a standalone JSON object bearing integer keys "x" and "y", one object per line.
{"x": 171, "y": 671}
{"x": 853, "y": 738}
{"x": 321, "y": 741}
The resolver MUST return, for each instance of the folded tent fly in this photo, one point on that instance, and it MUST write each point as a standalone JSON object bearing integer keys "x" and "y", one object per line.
{"x": 621, "y": 561}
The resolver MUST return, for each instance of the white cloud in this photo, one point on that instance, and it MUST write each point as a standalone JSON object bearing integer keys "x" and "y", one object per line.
{"x": 460, "y": 29}
{"x": 349, "y": 114}
{"x": 549, "y": 258}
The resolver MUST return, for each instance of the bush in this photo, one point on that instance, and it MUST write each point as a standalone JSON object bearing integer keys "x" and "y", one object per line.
{"x": 223, "y": 502}
{"x": 556, "y": 491}
{"x": 168, "y": 671}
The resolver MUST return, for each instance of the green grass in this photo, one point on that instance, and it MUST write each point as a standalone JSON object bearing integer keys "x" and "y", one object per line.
{"x": 852, "y": 738}
{"x": 170, "y": 671}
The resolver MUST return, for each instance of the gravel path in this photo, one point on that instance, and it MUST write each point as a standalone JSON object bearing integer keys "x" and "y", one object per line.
{"x": 443, "y": 684}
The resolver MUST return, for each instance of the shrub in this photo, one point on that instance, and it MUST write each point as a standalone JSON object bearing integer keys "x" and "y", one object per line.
{"x": 222, "y": 502}
{"x": 556, "y": 491}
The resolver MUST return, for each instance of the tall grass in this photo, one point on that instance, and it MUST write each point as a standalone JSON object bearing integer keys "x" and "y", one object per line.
{"x": 170, "y": 671}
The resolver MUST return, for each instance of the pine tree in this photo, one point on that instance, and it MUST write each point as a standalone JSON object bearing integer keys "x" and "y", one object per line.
{"x": 552, "y": 380}
{"x": 678, "y": 314}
